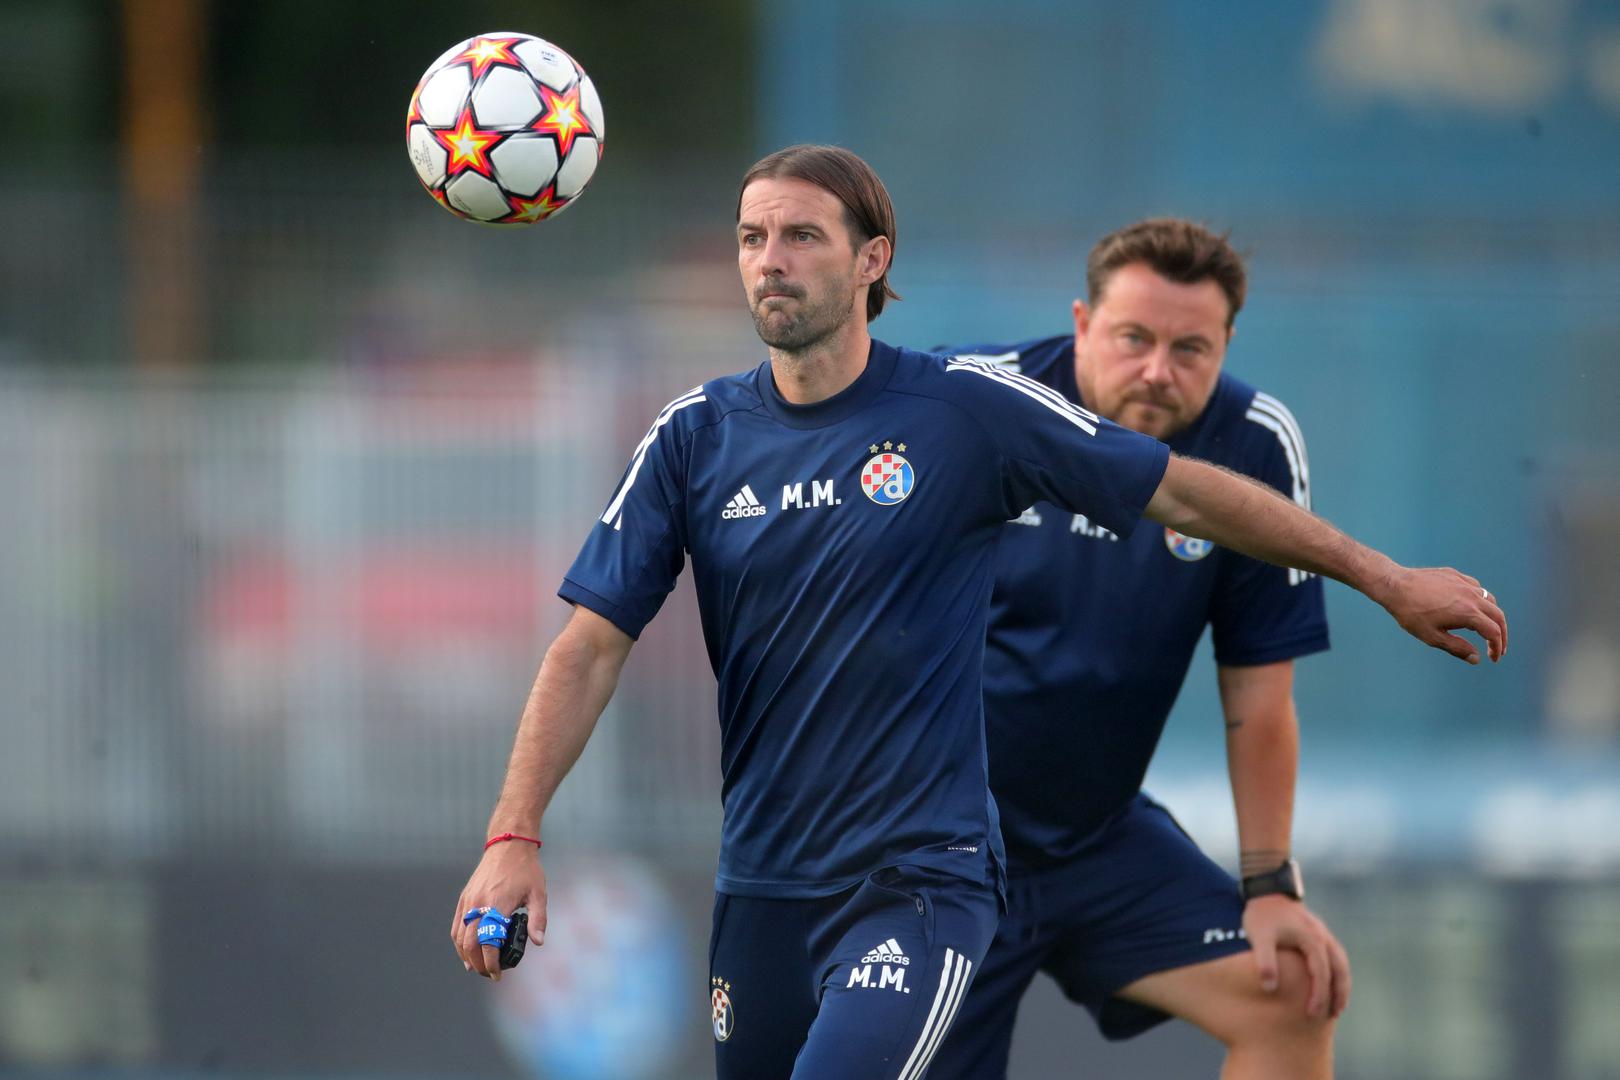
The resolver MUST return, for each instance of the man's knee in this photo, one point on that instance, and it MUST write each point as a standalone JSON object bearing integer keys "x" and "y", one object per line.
{"x": 1278, "y": 1016}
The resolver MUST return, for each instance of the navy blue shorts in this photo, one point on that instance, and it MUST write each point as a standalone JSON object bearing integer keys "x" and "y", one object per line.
{"x": 860, "y": 985}
{"x": 1140, "y": 899}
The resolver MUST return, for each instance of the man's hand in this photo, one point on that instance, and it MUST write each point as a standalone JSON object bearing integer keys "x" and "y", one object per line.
{"x": 508, "y": 877}
{"x": 1281, "y": 922}
{"x": 1430, "y": 602}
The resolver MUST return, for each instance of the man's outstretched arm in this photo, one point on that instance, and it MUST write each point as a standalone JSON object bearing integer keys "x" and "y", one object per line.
{"x": 1245, "y": 515}
{"x": 576, "y": 679}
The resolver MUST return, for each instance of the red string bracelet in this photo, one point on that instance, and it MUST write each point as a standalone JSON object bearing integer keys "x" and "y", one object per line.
{"x": 492, "y": 841}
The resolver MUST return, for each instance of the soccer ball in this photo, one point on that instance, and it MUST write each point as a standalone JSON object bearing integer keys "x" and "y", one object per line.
{"x": 504, "y": 129}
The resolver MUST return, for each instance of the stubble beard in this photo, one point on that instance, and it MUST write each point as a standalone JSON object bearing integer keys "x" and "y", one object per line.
{"x": 1164, "y": 422}
{"x": 814, "y": 323}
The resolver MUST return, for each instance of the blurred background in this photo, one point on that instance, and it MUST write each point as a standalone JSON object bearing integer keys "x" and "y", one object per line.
{"x": 291, "y": 463}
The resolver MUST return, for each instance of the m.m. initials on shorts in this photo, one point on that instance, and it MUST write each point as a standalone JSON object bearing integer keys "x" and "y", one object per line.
{"x": 892, "y": 962}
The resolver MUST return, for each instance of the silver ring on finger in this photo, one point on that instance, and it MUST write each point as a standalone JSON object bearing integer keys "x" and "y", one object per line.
{"x": 1484, "y": 593}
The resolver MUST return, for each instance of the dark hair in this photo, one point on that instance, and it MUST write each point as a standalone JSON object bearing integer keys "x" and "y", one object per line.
{"x": 867, "y": 210}
{"x": 1174, "y": 248}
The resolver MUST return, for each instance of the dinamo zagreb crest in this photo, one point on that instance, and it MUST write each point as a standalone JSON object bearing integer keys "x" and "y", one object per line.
{"x": 1186, "y": 548}
{"x": 720, "y": 1013}
{"x": 887, "y": 479}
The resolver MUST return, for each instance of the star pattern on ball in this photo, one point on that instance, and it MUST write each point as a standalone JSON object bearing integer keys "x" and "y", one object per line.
{"x": 446, "y": 139}
{"x": 414, "y": 113}
{"x": 468, "y": 146}
{"x": 485, "y": 52}
{"x": 542, "y": 206}
{"x": 562, "y": 119}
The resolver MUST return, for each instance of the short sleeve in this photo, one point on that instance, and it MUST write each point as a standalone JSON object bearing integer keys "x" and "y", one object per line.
{"x": 1262, "y": 614}
{"x": 1055, "y": 451}
{"x": 636, "y": 548}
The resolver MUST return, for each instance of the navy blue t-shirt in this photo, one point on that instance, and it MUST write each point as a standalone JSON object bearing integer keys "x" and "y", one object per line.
{"x": 1092, "y": 632}
{"x": 841, "y": 554}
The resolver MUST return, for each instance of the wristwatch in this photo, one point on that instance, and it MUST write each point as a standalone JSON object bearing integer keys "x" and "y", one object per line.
{"x": 1286, "y": 880}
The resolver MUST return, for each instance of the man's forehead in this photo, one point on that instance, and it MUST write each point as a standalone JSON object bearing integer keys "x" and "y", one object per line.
{"x": 787, "y": 195}
{"x": 1137, "y": 293}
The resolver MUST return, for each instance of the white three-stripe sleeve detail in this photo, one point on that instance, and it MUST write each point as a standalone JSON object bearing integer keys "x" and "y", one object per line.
{"x": 1266, "y": 420}
{"x": 947, "y": 999}
{"x": 613, "y": 515}
{"x": 1272, "y": 405}
{"x": 1022, "y": 382}
{"x": 1265, "y": 403}
{"x": 1009, "y": 361}
{"x": 1291, "y": 450}
{"x": 1272, "y": 415}
{"x": 1080, "y": 418}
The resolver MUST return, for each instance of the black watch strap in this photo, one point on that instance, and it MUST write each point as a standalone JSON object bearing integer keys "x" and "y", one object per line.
{"x": 1286, "y": 880}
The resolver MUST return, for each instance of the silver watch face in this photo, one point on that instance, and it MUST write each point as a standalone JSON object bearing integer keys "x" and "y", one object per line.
{"x": 1298, "y": 876}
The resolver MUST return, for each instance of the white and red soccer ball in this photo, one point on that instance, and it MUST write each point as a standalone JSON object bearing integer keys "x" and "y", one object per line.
{"x": 504, "y": 129}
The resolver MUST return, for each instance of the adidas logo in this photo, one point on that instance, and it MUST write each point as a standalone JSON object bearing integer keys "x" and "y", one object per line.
{"x": 887, "y": 953}
{"x": 743, "y": 505}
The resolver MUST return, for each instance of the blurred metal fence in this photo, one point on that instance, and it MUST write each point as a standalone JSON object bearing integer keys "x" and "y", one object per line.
{"x": 300, "y": 612}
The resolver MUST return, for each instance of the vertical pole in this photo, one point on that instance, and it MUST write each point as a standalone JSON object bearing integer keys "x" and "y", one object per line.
{"x": 163, "y": 60}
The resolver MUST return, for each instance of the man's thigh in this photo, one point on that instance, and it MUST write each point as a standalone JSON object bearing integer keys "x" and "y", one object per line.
{"x": 762, "y": 992}
{"x": 863, "y": 984}
{"x": 1225, "y": 999}
{"x": 898, "y": 961}
{"x": 980, "y": 1041}
{"x": 1142, "y": 900}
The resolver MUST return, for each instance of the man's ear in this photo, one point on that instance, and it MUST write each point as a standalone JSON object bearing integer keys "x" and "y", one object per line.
{"x": 874, "y": 257}
{"x": 1082, "y": 318}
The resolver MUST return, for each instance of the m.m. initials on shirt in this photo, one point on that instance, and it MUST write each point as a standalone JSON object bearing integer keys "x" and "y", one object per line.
{"x": 821, "y": 494}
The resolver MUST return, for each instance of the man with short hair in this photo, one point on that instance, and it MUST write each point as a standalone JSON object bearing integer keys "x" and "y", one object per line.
{"x": 1091, "y": 635}
{"x": 860, "y": 862}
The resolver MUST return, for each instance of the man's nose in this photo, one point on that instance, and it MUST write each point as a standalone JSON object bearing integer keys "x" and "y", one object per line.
{"x": 1156, "y": 367}
{"x": 773, "y": 257}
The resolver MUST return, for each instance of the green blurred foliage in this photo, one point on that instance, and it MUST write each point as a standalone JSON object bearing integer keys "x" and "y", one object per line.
{"x": 60, "y": 76}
